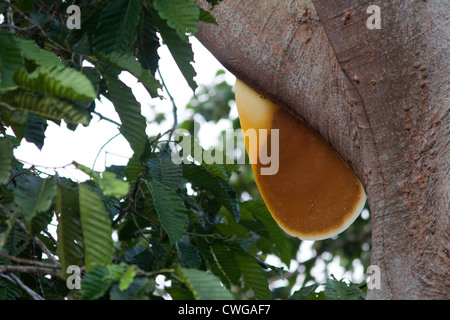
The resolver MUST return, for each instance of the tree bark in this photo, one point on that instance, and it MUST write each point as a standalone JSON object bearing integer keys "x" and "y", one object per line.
{"x": 378, "y": 96}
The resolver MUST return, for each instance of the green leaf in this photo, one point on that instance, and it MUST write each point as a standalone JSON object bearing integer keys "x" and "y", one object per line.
{"x": 206, "y": 16}
{"x": 31, "y": 51}
{"x": 45, "y": 106}
{"x": 35, "y": 130}
{"x": 148, "y": 43}
{"x": 8, "y": 291}
{"x": 116, "y": 26}
{"x": 201, "y": 177}
{"x": 181, "y": 15}
{"x": 108, "y": 181}
{"x": 171, "y": 210}
{"x": 203, "y": 285}
{"x": 254, "y": 277}
{"x": 34, "y": 195}
{"x": 70, "y": 238}
{"x": 5, "y": 161}
{"x": 57, "y": 81}
{"x": 226, "y": 263}
{"x": 340, "y": 290}
{"x": 128, "y": 62}
{"x": 127, "y": 278}
{"x": 11, "y": 60}
{"x": 166, "y": 172}
{"x": 305, "y": 293}
{"x": 281, "y": 245}
{"x": 133, "y": 169}
{"x": 129, "y": 110}
{"x": 10, "y": 225}
{"x": 138, "y": 289}
{"x": 189, "y": 255}
{"x": 93, "y": 286}
{"x": 180, "y": 50}
{"x": 96, "y": 227}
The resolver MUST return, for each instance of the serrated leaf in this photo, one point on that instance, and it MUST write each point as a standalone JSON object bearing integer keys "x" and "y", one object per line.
{"x": 188, "y": 254}
{"x": 8, "y": 291}
{"x": 181, "y": 15}
{"x": 70, "y": 238}
{"x": 127, "y": 278}
{"x": 281, "y": 245}
{"x": 10, "y": 225}
{"x": 204, "y": 285}
{"x": 57, "y": 81}
{"x": 96, "y": 228}
{"x": 254, "y": 277}
{"x": 203, "y": 178}
{"x": 108, "y": 182}
{"x": 340, "y": 290}
{"x": 93, "y": 286}
{"x": 116, "y": 26}
{"x": 170, "y": 208}
{"x": 226, "y": 263}
{"x": 133, "y": 169}
{"x": 206, "y": 16}
{"x": 128, "y": 62}
{"x": 138, "y": 289}
{"x": 5, "y": 161}
{"x": 166, "y": 172}
{"x": 11, "y": 60}
{"x": 45, "y": 106}
{"x": 35, "y": 130}
{"x": 129, "y": 110}
{"x": 31, "y": 51}
{"x": 305, "y": 293}
{"x": 148, "y": 43}
{"x": 180, "y": 50}
{"x": 34, "y": 195}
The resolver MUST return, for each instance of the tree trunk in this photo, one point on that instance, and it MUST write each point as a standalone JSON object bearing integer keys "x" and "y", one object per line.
{"x": 378, "y": 96}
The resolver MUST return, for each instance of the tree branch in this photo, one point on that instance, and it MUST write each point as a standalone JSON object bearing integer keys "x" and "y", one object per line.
{"x": 35, "y": 239}
{"x": 13, "y": 278}
{"x": 28, "y": 261}
{"x": 34, "y": 24}
{"x": 174, "y": 106}
{"x": 102, "y": 117}
{"x": 29, "y": 269}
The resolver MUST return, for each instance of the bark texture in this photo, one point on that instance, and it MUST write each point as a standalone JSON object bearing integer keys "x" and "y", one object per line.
{"x": 380, "y": 97}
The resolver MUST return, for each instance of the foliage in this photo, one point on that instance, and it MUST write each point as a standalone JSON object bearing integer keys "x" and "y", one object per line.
{"x": 201, "y": 226}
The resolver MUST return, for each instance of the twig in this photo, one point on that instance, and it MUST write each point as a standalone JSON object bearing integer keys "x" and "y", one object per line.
{"x": 18, "y": 174}
{"x": 15, "y": 279}
{"x": 102, "y": 117}
{"x": 29, "y": 269}
{"x": 42, "y": 31}
{"x": 10, "y": 18}
{"x": 99, "y": 151}
{"x": 7, "y": 106}
{"x": 139, "y": 229}
{"x": 174, "y": 106}
{"x": 35, "y": 239}
{"x": 28, "y": 261}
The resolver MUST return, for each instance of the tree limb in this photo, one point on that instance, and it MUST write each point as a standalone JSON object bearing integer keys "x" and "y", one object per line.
{"x": 13, "y": 278}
